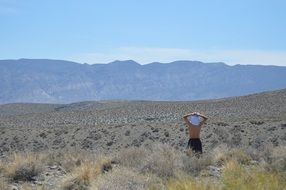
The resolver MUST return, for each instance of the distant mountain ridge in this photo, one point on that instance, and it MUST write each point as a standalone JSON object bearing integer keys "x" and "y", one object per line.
{"x": 58, "y": 81}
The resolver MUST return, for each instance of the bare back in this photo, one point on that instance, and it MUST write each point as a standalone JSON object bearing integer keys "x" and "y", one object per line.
{"x": 194, "y": 131}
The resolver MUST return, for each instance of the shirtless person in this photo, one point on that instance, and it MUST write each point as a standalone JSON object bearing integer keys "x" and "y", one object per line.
{"x": 194, "y": 122}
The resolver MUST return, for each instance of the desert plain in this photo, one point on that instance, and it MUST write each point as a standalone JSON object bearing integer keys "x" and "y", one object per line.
{"x": 252, "y": 122}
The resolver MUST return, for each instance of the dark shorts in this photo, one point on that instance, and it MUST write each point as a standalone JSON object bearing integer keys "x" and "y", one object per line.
{"x": 195, "y": 145}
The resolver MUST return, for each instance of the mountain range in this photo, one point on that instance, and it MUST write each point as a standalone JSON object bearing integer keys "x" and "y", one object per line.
{"x": 59, "y": 81}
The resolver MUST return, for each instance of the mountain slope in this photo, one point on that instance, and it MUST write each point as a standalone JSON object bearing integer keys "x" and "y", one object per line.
{"x": 56, "y": 81}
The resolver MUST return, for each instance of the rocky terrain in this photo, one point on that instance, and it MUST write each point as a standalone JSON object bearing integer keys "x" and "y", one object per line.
{"x": 108, "y": 126}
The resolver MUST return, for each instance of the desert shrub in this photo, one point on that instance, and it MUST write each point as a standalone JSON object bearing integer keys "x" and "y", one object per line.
{"x": 278, "y": 160}
{"x": 220, "y": 123}
{"x": 3, "y": 184}
{"x": 193, "y": 165}
{"x": 163, "y": 161}
{"x": 68, "y": 160}
{"x": 256, "y": 122}
{"x": 190, "y": 183}
{"x": 82, "y": 175}
{"x": 262, "y": 153}
{"x": 132, "y": 157}
{"x": 25, "y": 172}
{"x": 121, "y": 179}
{"x": 23, "y": 167}
{"x": 234, "y": 154}
{"x": 31, "y": 186}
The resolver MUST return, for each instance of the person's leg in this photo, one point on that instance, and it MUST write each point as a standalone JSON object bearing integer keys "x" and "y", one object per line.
{"x": 197, "y": 146}
{"x": 189, "y": 144}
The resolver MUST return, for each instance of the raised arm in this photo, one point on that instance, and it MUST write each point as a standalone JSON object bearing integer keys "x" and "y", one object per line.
{"x": 202, "y": 115}
{"x": 204, "y": 118}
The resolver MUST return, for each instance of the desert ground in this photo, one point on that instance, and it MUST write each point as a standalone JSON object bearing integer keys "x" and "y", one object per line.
{"x": 107, "y": 126}
{"x": 250, "y": 122}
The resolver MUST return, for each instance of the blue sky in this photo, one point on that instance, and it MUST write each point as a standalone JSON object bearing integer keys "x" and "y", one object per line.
{"x": 93, "y": 31}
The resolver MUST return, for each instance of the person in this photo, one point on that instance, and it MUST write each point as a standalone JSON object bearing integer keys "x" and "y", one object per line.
{"x": 195, "y": 122}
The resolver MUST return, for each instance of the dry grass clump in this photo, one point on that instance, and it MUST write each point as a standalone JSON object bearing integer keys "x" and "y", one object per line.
{"x": 191, "y": 183}
{"x": 29, "y": 186}
{"x": 121, "y": 179}
{"x": 237, "y": 177}
{"x": 22, "y": 166}
{"x": 68, "y": 160}
{"x": 87, "y": 171}
{"x": 278, "y": 160}
{"x": 273, "y": 158}
{"x": 193, "y": 165}
{"x": 163, "y": 161}
{"x": 261, "y": 153}
{"x": 256, "y": 122}
{"x": 3, "y": 184}
{"x": 132, "y": 157}
{"x": 235, "y": 154}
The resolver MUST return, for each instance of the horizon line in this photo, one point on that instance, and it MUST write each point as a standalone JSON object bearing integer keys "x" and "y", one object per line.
{"x": 138, "y": 62}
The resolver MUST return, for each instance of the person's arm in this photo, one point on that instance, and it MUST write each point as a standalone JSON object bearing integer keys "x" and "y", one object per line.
{"x": 204, "y": 118}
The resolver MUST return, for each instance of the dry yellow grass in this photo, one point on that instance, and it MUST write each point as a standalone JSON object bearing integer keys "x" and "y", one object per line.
{"x": 237, "y": 177}
{"x": 88, "y": 170}
{"x": 121, "y": 179}
{"x": 29, "y": 186}
{"x": 22, "y": 166}
{"x": 3, "y": 184}
{"x": 160, "y": 167}
{"x": 234, "y": 177}
{"x": 192, "y": 184}
{"x": 234, "y": 154}
{"x": 132, "y": 157}
{"x": 163, "y": 161}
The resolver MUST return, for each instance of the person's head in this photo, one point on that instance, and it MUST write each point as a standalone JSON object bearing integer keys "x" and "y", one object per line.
{"x": 195, "y": 119}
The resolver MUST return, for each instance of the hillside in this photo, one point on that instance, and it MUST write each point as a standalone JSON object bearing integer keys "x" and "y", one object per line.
{"x": 55, "y": 81}
{"x": 253, "y": 120}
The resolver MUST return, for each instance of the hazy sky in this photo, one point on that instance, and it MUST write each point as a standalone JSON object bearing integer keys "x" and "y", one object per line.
{"x": 93, "y": 31}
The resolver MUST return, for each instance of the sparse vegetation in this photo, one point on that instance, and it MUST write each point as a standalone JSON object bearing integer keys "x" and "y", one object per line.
{"x": 157, "y": 167}
{"x": 256, "y": 122}
{"x": 85, "y": 172}
{"x": 114, "y": 147}
{"x": 234, "y": 154}
{"x": 235, "y": 176}
{"x": 194, "y": 165}
{"x": 163, "y": 161}
{"x": 220, "y": 123}
{"x": 3, "y": 184}
{"x": 121, "y": 179}
{"x": 22, "y": 167}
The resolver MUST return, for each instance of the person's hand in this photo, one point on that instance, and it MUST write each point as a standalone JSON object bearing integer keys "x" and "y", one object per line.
{"x": 201, "y": 115}
{"x": 188, "y": 114}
